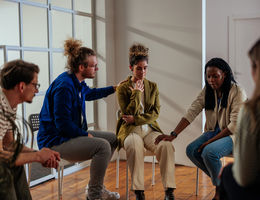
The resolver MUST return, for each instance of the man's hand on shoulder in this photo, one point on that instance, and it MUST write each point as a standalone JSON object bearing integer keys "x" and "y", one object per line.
{"x": 115, "y": 86}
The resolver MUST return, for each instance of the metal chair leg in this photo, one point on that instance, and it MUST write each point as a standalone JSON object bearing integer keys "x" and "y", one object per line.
{"x": 127, "y": 192}
{"x": 197, "y": 181}
{"x": 153, "y": 171}
{"x": 117, "y": 170}
{"x": 59, "y": 183}
{"x": 29, "y": 173}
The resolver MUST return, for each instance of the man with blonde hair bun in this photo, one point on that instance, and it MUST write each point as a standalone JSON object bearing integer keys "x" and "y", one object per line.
{"x": 63, "y": 121}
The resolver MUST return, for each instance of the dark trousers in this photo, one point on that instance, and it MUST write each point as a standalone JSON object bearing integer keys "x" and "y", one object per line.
{"x": 13, "y": 184}
{"x": 230, "y": 190}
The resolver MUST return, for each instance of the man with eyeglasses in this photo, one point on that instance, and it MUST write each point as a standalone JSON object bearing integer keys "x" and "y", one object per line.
{"x": 19, "y": 83}
{"x": 63, "y": 120}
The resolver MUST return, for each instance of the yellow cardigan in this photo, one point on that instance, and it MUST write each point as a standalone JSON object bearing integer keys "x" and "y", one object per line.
{"x": 129, "y": 102}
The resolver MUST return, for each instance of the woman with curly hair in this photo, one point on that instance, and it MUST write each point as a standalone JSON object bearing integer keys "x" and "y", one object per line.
{"x": 137, "y": 127}
{"x": 241, "y": 180}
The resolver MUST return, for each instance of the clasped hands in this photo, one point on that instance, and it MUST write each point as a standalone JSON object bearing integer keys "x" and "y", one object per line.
{"x": 48, "y": 158}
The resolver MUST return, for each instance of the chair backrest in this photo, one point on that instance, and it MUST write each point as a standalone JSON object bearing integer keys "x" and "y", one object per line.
{"x": 34, "y": 122}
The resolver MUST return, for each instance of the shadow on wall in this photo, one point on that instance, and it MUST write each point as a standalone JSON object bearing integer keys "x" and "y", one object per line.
{"x": 177, "y": 108}
{"x": 168, "y": 43}
{"x": 172, "y": 76}
{"x": 183, "y": 29}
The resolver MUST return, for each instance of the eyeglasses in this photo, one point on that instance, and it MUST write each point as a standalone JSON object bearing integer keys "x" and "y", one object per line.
{"x": 92, "y": 66}
{"x": 36, "y": 85}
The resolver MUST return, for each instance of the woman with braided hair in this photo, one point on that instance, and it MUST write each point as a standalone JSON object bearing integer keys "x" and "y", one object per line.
{"x": 221, "y": 100}
{"x": 137, "y": 128}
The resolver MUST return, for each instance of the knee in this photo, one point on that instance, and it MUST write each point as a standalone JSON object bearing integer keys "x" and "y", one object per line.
{"x": 105, "y": 147}
{"x": 134, "y": 150}
{"x": 131, "y": 149}
{"x": 165, "y": 146}
{"x": 208, "y": 153}
{"x": 190, "y": 150}
{"x": 134, "y": 144}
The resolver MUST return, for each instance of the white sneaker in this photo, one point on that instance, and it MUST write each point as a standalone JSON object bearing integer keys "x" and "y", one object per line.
{"x": 106, "y": 194}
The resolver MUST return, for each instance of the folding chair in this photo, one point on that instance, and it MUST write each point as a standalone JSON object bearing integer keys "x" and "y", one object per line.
{"x": 35, "y": 124}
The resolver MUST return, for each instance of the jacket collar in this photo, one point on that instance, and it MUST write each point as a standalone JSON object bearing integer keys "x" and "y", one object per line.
{"x": 76, "y": 81}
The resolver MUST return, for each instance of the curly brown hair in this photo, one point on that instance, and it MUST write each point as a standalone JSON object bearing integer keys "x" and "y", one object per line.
{"x": 77, "y": 54}
{"x": 137, "y": 53}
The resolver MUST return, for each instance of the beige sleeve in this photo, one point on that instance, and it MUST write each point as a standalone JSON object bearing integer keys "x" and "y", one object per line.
{"x": 246, "y": 165}
{"x": 196, "y": 107}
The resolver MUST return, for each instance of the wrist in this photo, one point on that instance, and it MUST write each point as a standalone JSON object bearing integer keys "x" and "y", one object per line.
{"x": 115, "y": 87}
{"x": 37, "y": 156}
{"x": 174, "y": 134}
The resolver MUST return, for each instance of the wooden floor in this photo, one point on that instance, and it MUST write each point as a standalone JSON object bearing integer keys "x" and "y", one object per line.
{"x": 74, "y": 184}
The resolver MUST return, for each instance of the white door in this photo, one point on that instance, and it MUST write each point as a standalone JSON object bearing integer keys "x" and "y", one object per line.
{"x": 243, "y": 33}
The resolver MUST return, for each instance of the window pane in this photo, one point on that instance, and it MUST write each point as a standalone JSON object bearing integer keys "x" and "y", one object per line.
{"x": 41, "y": 59}
{"x": 90, "y": 111}
{"x": 1, "y": 57}
{"x": 101, "y": 38}
{"x": 59, "y": 63}
{"x": 35, "y": 26}
{"x": 9, "y": 34}
{"x": 83, "y": 5}
{"x": 40, "y": 1}
{"x": 61, "y": 27}
{"x": 13, "y": 55}
{"x": 100, "y": 8}
{"x": 63, "y": 3}
{"x": 83, "y": 30}
{"x": 101, "y": 73}
{"x": 34, "y": 108}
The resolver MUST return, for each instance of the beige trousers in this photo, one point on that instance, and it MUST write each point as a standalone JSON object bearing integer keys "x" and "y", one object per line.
{"x": 135, "y": 145}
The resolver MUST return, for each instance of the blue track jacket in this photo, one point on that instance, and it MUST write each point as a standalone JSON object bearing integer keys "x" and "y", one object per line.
{"x": 63, "y": 115}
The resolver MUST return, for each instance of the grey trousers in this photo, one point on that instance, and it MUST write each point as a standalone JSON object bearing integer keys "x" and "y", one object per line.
{"x": 13, "y": 183}
{"x": 100, "y": 149}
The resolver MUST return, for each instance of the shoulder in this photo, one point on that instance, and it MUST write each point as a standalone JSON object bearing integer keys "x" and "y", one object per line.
{"x": 150, "y": 83}
{"x": 125, "y": 85}
{"x": 236, "y": 88}
{"x": 64, "y": 80}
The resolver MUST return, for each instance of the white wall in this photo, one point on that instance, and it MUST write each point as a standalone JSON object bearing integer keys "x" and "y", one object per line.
{"x": 172, "y": 31}
{"x": 106, "y": 59}
{"x": 232, "y": 26}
